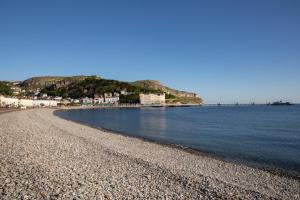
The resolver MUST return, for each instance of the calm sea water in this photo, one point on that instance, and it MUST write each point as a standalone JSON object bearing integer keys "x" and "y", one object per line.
{"x": 264, "y": 136}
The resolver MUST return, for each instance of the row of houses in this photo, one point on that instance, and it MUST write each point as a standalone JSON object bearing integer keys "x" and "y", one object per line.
{"x": 15, "y": 102}
{"x": 145, "y": 99}
{"x": 107, "y": 98}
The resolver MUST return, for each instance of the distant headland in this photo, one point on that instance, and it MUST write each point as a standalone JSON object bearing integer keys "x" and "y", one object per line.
{"x": 96, "y": 90}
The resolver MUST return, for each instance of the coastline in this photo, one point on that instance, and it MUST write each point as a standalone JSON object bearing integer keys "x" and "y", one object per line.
{"x": 272, "y": 170}
{"x": 112, "y": 166}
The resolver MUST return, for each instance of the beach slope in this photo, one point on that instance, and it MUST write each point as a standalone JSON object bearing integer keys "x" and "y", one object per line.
{"x": 45, "y": 157}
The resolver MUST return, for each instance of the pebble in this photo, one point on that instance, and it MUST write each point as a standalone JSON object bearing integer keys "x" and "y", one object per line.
{"x": 45, "y": 157}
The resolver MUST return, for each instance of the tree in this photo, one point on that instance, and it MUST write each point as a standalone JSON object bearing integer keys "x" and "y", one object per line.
{"x": 5, "y": 89}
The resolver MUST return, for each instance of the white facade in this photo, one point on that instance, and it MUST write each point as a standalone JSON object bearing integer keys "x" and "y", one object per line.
{"x": 152, "y": 99}
{"x": 26, "y": 102}
{"x": 57, "y": 98}
{"x": 10, "y": 102}
{"x": 65, "y": 102}
{"x": 116, "y": 94}
{"x": 14, "y": 102}
{"x": 16, "y": 90}
{"x": 44, "y": 103}
{"x": 124, "y": 92}
{"x": 75, "y": 101}
{"x": 1, "y": 101}
{"x": 98, "y": 100}
{"x": 112, "y": 100}
{"x": 86, "y": 100}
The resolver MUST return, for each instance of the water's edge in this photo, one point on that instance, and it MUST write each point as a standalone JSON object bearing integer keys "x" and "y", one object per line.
{"x": 272, "y": 170}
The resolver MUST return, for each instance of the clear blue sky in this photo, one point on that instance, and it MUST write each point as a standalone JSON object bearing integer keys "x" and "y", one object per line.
{"x": 226, "y": 51}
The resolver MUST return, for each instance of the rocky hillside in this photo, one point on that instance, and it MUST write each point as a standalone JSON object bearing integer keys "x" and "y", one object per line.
{"x": 79, "y": 86}
{"x": 46, "y": 81}
{"x": 156, "y": 85}
{"x": 174, "y": 96}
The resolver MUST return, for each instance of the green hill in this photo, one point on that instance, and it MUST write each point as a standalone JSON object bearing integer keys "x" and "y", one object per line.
{"x": 81, "y": 86}
{"x": 173, "y": 96}
{"x": 46, "y": 81}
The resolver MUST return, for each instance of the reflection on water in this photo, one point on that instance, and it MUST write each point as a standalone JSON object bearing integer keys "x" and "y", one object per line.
{"x": 261, "y": 135}
{"x": 152, "y": 122}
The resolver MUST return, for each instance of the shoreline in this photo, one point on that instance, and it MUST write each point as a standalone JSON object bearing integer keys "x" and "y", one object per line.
{"x": 45, "y": 156}
{"x": 272, "y": 170}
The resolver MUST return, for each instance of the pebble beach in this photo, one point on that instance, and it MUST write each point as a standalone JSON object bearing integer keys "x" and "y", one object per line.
{"x": 45, "y": 157}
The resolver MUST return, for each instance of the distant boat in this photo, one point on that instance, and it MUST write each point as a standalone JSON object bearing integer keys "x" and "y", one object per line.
{"x": 219, "y": 104}
{"x": 253, "y": 104}
{"x": 280, "y": 103}
{"x": 236, "y": 104}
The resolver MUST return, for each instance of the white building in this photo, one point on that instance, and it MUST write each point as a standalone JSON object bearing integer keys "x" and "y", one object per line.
{"x": 111, "y": 100}
{"x": 98, "y": 100}
{"x": 37, "y": 92}
{"x": 75, "y": 101}
{"x": 14, "y": 102}
{"x": 116, "y": 94}
{"x": 152, "y": 99}
{"x": 86, "y": 100}
{"x": 57, "y": 98}
{"x": 16, "y": 90}
{"x": 65, "y": 102}
{"x": 44, "y": 103}
{"x": 124, "y": 92}
{"x": 26, "y": 102}
{"x": 8, "y": 102}
{"x": 107, "y": 95}
{"x": 2, "y": 101}
{"x": 44, "y": 95}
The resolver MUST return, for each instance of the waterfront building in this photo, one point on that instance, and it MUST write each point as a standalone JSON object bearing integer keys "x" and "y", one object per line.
{"x": 111, "y": 100}
{"x": 65, "y": 102}
{"x": 57, "y": 98}
{"x": 44, "y": 95}
{"x": 1, "y": 101}
{"x": 44, "y": 103}
{"x": 75, "y": 101}
{"x": 98, "y": 99}
{"x": 86, "y": 100}
{"x": 9, "y": 102}
{"x": 152, "y": 99}
{"x": 14, "y": 102}
{"x": 26, "y": 103}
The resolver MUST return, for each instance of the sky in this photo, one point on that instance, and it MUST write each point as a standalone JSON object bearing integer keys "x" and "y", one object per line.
{"x": 226, "y": 51}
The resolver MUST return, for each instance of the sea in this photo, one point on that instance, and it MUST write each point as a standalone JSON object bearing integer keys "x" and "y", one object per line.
{"x": 262, "y": 136}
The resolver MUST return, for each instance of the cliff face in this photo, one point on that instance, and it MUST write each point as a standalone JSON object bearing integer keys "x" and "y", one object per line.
{"x": 181, "y": 97}
{"x": 151, "y": 84}
{"x": 45, "y": 81}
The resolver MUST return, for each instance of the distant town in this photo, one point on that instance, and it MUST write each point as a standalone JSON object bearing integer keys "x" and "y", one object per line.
{"x": 106, "y": 99}
{"x": 89, "y": 91}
